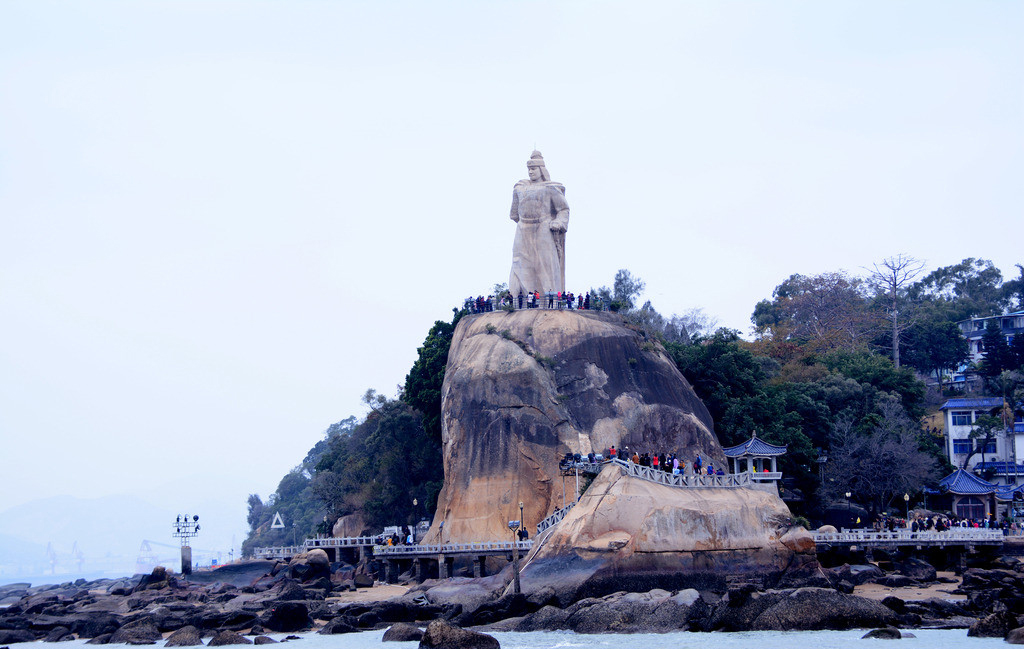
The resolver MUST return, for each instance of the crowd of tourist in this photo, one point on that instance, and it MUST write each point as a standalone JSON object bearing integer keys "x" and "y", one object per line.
{"x": 942, "y": 523}
{"x": 667, "y": 462}
{"x": 533, "y": 300}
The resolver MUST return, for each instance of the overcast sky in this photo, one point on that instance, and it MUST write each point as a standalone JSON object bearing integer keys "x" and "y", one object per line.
{"x": 223, "y": 221}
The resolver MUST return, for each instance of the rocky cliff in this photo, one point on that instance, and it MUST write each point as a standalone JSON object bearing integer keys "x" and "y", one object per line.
{"x": 630, "y": 534}
{"x": 523, "y": 388}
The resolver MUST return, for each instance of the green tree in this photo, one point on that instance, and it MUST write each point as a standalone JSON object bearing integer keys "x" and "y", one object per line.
{"x": 934, "y": 345}
{"x": 968, "y": 289}
{"x": 985, "y": 428}
{"x": 626, "y": 288}
{"x": 882, "y": 463}
{"x": 423, "y": 383}
{"x": 998, "y": 357}
{"x": 1017, "y": 352}
{"x": 817, "y": 313}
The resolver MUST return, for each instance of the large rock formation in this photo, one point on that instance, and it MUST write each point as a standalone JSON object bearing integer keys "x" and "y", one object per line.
{"x": 522, "y": 388}
{"x": 630, "y": 534}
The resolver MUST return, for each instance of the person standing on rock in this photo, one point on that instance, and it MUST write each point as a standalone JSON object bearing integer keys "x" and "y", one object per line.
{"x": 542, "y": 217}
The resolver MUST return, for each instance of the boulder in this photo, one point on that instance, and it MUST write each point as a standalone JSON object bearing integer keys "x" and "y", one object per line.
{"x": 996, "y": 625}
{"x": 442, "y": 635}
{"x": 226, "y": 638}
{"x": 341, "y": 624}
{"x": 58, "y": 633}
{"x": 11, "y": 636}
{"x": 310, "y": 565}
{"x": 917, "y": 569}
{"x": 262, "y": 639}
{"x": 801, "y": 609}
{"x": 286, "y": 617}
{"x": 630, "y": 534}
{"x": 186, "y": 636}
{"x": 522, "y": 388}
{"x": 100, "y": 639}
{"x": 888, "y": 633}
{"x": 1016, "y": 636}
{"x": 141, "y": 631}
{"x": 403, "y": 632}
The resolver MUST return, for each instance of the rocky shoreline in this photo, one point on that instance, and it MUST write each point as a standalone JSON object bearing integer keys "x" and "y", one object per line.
{"x": 239, "y": 603}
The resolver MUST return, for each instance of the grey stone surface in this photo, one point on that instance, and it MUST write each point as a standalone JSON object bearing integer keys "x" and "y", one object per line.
{"x": 545, "y": 383}
{"x": 442, "y": 635}
{"x": 542, "y": 217}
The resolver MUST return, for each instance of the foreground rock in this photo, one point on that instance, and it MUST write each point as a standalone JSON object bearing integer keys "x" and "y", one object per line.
{"x": 442, "y": 635}
{"x": 403, "y": 632}
{"x": 186, "y": 636}
{"x": 142, "y": 631}
{"x": 888, "y": 633}
{"x": 225, "y": 638}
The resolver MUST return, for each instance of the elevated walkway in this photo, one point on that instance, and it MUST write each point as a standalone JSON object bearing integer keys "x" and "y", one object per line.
{"x": 884, "y": 539}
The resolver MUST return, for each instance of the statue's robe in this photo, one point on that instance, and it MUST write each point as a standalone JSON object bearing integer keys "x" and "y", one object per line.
{"x": 538, "y": 254}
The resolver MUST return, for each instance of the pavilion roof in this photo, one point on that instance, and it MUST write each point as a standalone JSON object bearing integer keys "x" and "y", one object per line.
{"x": 966, "y": 483}
{"x": 754, "y": 447}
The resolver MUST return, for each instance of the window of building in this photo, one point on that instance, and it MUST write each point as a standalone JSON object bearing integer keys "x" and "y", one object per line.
{"x": 962, "y": 446}
{"x": 961, "y": 417}
{"x": 970, "y": 507}
{"x": 989, "y": 448}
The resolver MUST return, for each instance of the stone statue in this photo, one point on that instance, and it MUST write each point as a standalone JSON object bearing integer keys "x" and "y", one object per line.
{"x": 542, "y": 215}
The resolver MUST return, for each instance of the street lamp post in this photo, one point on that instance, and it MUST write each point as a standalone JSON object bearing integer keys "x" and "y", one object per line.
{"x": 514, "y": 526}
{"x": 906, "y": 500}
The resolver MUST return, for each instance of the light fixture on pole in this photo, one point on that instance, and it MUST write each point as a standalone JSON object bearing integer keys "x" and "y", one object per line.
{"x": 514, "y": 526}
{"x": 906, "y": 499}
{"x": 185, "y": 528}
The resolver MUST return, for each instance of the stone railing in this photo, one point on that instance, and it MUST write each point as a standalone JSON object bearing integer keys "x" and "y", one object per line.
{"x": 453, "y": 548}
{"x": 727, "y": 481}
{"x": 343, "y": 542}
{"x": 278, "y": 552}
{"x": 955, "y": 535}
{"x": 558, "y": 515}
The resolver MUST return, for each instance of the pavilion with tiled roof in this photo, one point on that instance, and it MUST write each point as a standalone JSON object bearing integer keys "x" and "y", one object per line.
{"x": 757, "y": 454}
{"x": 970, "y": 496}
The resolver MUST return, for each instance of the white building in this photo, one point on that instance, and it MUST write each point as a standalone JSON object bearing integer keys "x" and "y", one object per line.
{"x": 1003, "y": 455}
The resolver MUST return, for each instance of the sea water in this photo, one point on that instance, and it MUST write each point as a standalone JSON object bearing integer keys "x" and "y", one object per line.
{"x": 926, "y": 639}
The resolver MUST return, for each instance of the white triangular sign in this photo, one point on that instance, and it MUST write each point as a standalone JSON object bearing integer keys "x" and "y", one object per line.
{"x": 278, "y": 523}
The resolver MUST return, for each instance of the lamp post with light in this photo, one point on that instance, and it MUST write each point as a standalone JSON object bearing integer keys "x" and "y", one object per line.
{"x": 514, "y": 526}
{"x": 906, "y": 500}
{"x": 185, "y": 528}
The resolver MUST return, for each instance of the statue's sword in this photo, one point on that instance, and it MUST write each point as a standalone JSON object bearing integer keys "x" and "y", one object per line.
{"x": 560, "y": 247}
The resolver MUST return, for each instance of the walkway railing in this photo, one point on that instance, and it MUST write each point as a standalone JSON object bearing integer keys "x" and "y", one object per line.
{"x": 278, "y": 552}
{"x": 344, "y": 542}
{"x": 907, "y": 537}
{"x": 727, "y": 481}
{"x": 452, "y": 548}
{"x": 558, "y": 515}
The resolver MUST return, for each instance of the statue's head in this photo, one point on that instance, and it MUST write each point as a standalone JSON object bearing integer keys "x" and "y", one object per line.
{"x": 535, "y": 166}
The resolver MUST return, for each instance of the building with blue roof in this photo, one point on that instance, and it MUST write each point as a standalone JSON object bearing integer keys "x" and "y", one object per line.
{"x": 968, "y": 495}
{"x": 1000, "y": 455}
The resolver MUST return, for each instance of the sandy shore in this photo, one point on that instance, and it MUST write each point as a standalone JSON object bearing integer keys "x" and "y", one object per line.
{"x": 381, "y": 592}
{"x": 941, "y": 591}
{"x": 377, "y": 593}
